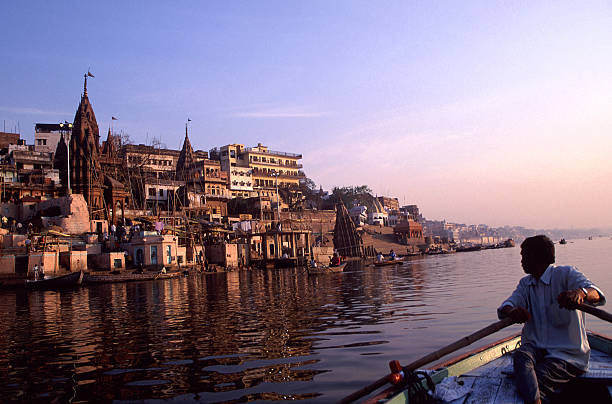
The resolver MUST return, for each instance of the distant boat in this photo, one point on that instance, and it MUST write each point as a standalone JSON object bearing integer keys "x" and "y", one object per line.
{"x": 326, "y": 269}
{"x": 389, "y": 262}
{"x": 466, "y": 248}
{"x": 58, "y": 282}
{"x": 562, "y": 241}
{"x": 590, "y": 238}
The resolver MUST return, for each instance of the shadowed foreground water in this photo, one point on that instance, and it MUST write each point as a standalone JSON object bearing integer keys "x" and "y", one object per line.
{"x": 257, "y": 335}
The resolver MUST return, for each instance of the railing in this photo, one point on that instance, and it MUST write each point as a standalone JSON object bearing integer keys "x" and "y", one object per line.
{"x": 277, "y": 153}
{"x": 274, "y": 175}
{"x": 277, "y": 164}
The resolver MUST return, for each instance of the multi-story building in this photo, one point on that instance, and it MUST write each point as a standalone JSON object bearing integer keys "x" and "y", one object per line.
{"x": 47, "y": 136}
{"x": 240, "y": 182}
{"x": 272, "y": 169}
{"x": 156, "y": 161}
{"x": 7, "y": 138}
{"x": 268, "y": 169}
{"x": 388, "y": 203}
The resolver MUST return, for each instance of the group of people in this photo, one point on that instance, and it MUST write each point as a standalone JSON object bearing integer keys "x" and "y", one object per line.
{"x": 334, "y": 261}
{"x": 381, "y": 258}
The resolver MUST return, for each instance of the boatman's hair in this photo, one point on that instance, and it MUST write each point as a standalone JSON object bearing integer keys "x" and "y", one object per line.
{"x": 542, "y": 246}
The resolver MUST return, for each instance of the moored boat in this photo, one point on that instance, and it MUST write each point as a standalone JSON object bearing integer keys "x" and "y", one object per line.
{"x": 326, "y": 269}
{"x": 562, "y": 241}
{"x": 485, "y": 376}
{"x": 90, "y": 279}
{"x": 58, "y": 282}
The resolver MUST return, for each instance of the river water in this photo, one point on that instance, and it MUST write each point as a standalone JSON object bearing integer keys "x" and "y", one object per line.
{"x": 258, "y": 335}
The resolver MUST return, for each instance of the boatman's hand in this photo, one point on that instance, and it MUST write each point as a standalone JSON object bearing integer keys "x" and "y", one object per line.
{"x": 570, "y": 299}
{"x": 517, "y": 314}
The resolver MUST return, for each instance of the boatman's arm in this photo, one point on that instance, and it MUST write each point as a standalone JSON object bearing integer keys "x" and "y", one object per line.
{"x": 517, "y": 314}
{"x": 571, "y": 298}
{"x": 580, "y": 290}
{"x": 515, "y": 306}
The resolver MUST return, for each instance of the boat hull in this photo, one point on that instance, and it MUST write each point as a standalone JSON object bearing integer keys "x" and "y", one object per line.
{"x": 326, "y": 270}
{"x": 112, "y": 278}
{"x": 59, "y": 282}
{"x": 487, "y": 369}
{"x": 387, "y": 263}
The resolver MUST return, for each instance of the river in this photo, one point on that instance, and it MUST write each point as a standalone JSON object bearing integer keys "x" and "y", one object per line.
{"x": 258, "y": 335}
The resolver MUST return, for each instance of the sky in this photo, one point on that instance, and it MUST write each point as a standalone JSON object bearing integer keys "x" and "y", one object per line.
{"x": 478, "y": 112}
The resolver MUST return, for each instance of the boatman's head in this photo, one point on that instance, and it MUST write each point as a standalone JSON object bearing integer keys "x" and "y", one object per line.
{"x": 537, "y": 253}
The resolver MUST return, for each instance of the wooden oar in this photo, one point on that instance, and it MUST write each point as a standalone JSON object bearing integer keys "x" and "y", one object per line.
{"x": 601, "y": 314}
{"x": 463, "y": 342}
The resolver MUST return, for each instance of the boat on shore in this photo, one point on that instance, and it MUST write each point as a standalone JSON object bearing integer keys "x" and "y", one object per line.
{"x": 327, "y": 269}
{"x": 484, "y": 375}
{"x": 90, "y": 279}
{"x": 57, "y": 282}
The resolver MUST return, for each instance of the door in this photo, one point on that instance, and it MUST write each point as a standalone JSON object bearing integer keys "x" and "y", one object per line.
{"x": 169, "y": 254}
{"x": 153, "y": 255}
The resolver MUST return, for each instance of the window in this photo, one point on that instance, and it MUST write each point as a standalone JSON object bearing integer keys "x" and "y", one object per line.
{"x": 161, "y": 192}
{"x": 152, "y": 192}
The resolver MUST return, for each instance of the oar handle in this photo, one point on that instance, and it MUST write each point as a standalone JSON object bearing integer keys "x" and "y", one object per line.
{"x": 604, "y": 315}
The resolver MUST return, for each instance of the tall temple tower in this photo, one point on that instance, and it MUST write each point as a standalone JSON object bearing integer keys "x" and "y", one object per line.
{"x": 185, "y": 160}
{"x": 85, "y": 175}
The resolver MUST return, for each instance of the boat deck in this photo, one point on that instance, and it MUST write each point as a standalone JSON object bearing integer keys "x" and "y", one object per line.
{"x": 493, "y": 382}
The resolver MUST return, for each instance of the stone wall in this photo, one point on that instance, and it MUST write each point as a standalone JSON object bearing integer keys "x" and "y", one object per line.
{"x": 74, "y": 260}
{"x": 317, "y": 221}
{"x": 73, "y": 214}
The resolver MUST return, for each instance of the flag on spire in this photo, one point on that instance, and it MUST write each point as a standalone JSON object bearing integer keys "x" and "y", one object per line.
{"x": 188, "y": 119}
{"x": 89, "y": 74}
{"x": 113, "y": 118}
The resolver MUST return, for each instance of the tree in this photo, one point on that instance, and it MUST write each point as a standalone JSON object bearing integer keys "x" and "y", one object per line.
{"x": 350, "y": 196}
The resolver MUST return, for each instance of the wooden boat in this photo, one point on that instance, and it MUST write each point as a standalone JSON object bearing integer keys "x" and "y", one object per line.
{"x": 486, "y": 375}
{"x": 90, "y": 279}
{"x": 389, "y": 262}
{"x": 58, "y": 282}
{"x": 326, "y": 269}
{"x": 562, "y": 241}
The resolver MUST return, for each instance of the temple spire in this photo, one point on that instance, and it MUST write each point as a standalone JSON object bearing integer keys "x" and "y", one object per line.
{"x": 88, "y": 74}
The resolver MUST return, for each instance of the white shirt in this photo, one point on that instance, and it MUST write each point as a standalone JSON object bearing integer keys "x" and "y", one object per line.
{"x": 560, "y": 332}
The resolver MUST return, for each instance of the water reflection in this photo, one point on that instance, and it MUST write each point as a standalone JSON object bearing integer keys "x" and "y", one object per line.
{"x": 246, "y": 336}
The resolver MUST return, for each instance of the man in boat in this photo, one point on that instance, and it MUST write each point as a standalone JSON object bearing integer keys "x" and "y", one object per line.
{"x": 335, "y": 260}
{"x": 554, "y": 346}
{"x": 392, "y": 255}
{"x": 380, "y": 257}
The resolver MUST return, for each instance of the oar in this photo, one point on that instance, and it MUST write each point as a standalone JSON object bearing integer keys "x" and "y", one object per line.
{"x": 463, "y": 342}
{"x": 604, "y": 315}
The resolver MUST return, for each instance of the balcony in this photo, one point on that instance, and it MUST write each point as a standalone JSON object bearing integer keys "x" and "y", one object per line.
{"x": 274, "y": 153}
{"x": 300, "y": 174}
{"x": 278, "y": 164}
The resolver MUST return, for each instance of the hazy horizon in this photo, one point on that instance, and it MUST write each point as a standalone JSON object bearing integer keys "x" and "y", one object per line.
{"x": 477, "y": 112}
